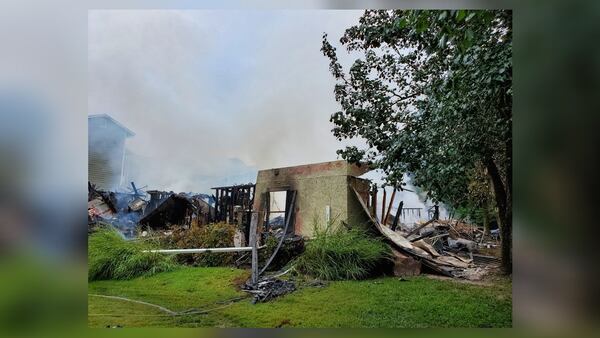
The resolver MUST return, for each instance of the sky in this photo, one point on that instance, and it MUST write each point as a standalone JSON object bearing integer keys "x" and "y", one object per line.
{"x": 216, "y": 94}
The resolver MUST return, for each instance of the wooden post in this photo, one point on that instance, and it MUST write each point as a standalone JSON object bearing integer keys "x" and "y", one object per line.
{"x": 387, "y": 214}
{"x": 436, "y": 212}
{"x": 374, "y": 202}
{"x": 253, "y": 244}
{"x": 216, "y": 205}
{"x": 383, "y": 206}
{"x": 397, "y": 217}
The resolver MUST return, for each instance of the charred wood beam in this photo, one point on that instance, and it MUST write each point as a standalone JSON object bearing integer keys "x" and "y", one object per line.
{"x": 383, "y": 206}
{"x": 397, "y": 216}
{"x": 387, "y": 214}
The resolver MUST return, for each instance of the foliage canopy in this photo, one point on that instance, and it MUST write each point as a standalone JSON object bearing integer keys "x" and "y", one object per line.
{"x": 431, "y": 97}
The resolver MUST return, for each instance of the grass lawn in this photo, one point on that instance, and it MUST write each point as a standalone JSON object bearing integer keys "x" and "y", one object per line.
{"x": 381, "y": 302}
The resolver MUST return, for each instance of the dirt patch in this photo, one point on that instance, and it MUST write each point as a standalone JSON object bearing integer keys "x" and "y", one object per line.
{"x": 492, "y": 276}
{"x": 284, "y": 323}
{"x": 240, "y": 280}
{"x": 492, "y": 251}
{"x": 458, "y": 280}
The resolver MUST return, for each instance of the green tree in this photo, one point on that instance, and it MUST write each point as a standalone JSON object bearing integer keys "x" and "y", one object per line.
{"x": 431, "y": 95}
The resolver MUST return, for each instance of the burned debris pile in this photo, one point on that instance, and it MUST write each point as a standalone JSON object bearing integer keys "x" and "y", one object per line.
{"x": 100, "y": 205}
{"x": 121, "y": 210}
{"x": 172, "y": 210}
{"x": 445, "y": 247}
{"x": 132, "y": 213}
{"x": 442, "y": 249}
{"x": 269, "y": 288}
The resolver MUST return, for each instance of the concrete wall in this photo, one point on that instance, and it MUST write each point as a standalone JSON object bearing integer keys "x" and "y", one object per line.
{"x": 356, "y": 214}
{"x": 318, "y": 186}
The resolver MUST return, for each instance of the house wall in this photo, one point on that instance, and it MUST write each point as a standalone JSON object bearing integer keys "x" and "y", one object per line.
{"x": 105, "y": 165}
{"x": 318, "y": 186}
{"x": 106, "y": 152}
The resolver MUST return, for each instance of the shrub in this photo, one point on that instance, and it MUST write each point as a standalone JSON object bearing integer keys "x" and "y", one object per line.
{"x": 110, "y": 256}
{"x": 215, "y": 235}
{"x": 342, "y": 254}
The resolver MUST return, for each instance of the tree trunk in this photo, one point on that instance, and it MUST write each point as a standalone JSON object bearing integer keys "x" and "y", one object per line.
{"x": 503, "y": 201}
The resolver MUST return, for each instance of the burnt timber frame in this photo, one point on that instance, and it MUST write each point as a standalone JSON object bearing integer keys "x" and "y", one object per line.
{"x": 226, "y": 198}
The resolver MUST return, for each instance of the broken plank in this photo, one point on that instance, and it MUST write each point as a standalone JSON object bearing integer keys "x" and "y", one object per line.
{"x": 387, "y": 214}
{"x": 427, "y": 247}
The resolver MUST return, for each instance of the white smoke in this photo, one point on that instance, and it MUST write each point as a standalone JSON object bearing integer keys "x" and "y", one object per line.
{"x": 214, "y": 96}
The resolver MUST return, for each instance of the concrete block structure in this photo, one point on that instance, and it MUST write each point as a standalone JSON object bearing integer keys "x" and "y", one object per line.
{"x": 323, "y": 195}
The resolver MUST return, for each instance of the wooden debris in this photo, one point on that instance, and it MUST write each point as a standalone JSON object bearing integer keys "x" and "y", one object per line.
{"x": 427, "y": 247}
{"x": 269, "y": 288}
{"x": 442, "y": 262}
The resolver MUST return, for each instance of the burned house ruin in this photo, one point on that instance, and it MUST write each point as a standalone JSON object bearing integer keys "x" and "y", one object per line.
{"x": 323, "y": 193}
{"x": 288, "y": 204}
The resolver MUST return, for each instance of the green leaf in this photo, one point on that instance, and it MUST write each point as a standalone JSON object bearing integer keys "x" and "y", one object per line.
{"x": 442, "y": 42}
{"x": 469, "y": 34}
{"x": 422, "y": 25}
{"x": 401, "y": 23}
{"x": 460, "y": 15}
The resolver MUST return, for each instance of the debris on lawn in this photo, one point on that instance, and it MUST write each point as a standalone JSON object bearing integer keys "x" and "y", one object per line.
{"x": 269, "y": 288}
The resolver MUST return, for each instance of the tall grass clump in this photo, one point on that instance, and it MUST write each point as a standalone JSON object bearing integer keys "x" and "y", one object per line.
{"x": 339, "y": 254}
{"x": 110, "y": 256}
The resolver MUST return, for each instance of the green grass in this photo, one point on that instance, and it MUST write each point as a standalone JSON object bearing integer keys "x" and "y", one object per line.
{"x": 110, "y": 256}
{"x": 381, "y": 302}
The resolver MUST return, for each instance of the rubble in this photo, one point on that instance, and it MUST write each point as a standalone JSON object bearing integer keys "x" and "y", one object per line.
{"x": 98, "y": 208}
{"x": 462, "y": 243}
{"x": 172, "y": 211}
{"x": 269, "y": 288}
{"x": 137, "y": 204}
{"x": 438, "y": 245}
{"x": 131, "y": 211}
